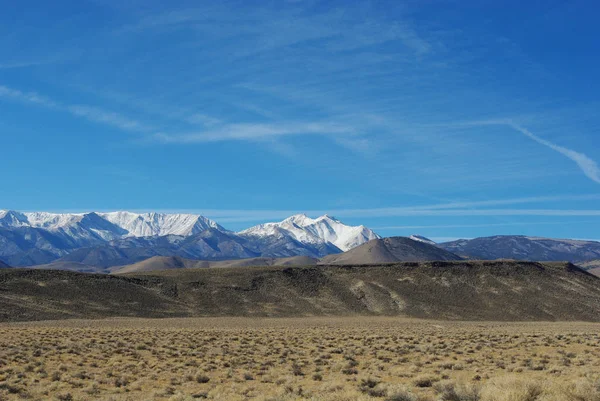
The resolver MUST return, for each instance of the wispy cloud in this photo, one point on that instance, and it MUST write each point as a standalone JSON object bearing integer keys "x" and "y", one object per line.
{"x": 203, "y": 119}
{"x": 256, "y": 132}
{"x": 20, "y": 64}
{"x": 534, "y": 223}
{"x": 443, "y": 209}
{"x": 249, "y": 216}
{"x": 494, "y": 202}
{"x": 27, "y": 97}
{"x": 589, "y": 167}
{"x": 271, "y": 29}
{"x": 107, "y": 117}
{"x": 89, "y": 113}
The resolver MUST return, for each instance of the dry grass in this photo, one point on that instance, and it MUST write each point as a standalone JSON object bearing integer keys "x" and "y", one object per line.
{"x": 337, "y": 359}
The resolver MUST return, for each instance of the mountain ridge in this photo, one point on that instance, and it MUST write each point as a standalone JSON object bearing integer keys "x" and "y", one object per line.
{"x": 112, "y": 238}
{"x": 521, "y": 247}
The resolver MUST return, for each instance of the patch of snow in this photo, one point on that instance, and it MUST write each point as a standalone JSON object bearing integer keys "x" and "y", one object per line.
{"x": 420, "y": 238}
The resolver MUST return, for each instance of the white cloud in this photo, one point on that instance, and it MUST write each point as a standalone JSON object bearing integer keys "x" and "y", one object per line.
{"x": 89, "y": 113}
{"x": 255, "y": 132}
{"x": 534, "y": 223}
{"x": 106, "y": 117}
{"x": 20, "y": 64}
{"x": 28, "y": 97}
{"x": 203, "y": 119}
{"x": 444, "y": 209}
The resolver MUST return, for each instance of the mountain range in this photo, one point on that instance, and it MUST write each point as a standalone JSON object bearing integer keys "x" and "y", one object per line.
{"x": 520, "y": 247}
{"x": 97, "y": 242}
{"x": 118, "y": 238}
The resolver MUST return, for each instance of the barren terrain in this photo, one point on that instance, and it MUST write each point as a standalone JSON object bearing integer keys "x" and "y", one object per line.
{"x": 359, "y": 358}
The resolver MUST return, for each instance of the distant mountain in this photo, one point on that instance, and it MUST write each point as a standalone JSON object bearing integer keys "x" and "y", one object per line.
{"x": 322, "y": 230}
{"x": 26, "y": 246}
{"x": 3, "y": 265}
{"x": 109, "y": 226}
{"x": 210, "y": 244}
{"x": 38, "y": 238}
{"x": 72, "y": 266}
{"x": 158, "y": 263}
{"x": 390, "y": 250}
{"x": 102, "y": 240}
{"x": 524, "y": 248}
{"x": 159, "y": 224}
{"x": 590, "y": 264}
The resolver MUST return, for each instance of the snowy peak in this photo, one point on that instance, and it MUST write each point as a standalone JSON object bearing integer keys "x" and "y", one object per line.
{"x": 10, "y": 218}
{"x": 298, "y": 219}
{"x": 324, "y": 229}
{"x": 41, "y": 237}
{"x": 158, "y": 224}
{"x": 110, "y": 226}
{"x": 53, "y": 221}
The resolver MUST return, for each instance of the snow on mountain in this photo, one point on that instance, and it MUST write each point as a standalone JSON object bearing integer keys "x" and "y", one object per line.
{"x": 11, "y": 219}
{"x": 39, "y": 237}
{"x": 53, "y": 221}
{"x": 324, "y": 229}
{"x": 78, "y": 228}
{"x": 110, "y": 225}
{"x": 153, "y": 224}
{"x": 420, "y": 238}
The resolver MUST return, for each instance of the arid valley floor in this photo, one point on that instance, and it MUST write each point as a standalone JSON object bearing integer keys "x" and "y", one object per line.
{"x": 352, "y": 358}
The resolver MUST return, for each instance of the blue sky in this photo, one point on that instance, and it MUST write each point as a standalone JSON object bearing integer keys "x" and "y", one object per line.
{"x": 444, "y": 118}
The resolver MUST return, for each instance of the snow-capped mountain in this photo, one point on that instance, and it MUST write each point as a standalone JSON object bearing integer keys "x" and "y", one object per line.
{"x": 324, "y": 229}
{"x": 109, "y": 226}
{"x": 122, "y": 237}
{"x": 40, "y": 237}
{"x": 153, "y": 224}
{"x": 78, "y": 228}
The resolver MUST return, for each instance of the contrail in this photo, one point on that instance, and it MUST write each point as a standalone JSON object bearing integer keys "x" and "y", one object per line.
{"x": 588, "y": 166}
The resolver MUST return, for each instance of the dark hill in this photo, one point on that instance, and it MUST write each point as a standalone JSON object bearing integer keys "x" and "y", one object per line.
{"x": 174, "y": 262}
{"x": 390, "y": 250}
{"x": 520, "y": 247}
{"x": 28, "y": 294}
{"x": 464, "y": 290}
{"x": 72, "y": 266}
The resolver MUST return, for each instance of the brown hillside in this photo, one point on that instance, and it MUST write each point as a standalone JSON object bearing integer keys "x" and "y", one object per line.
{"x": 390, "y": 250}
{"x": 461, "y": 290}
